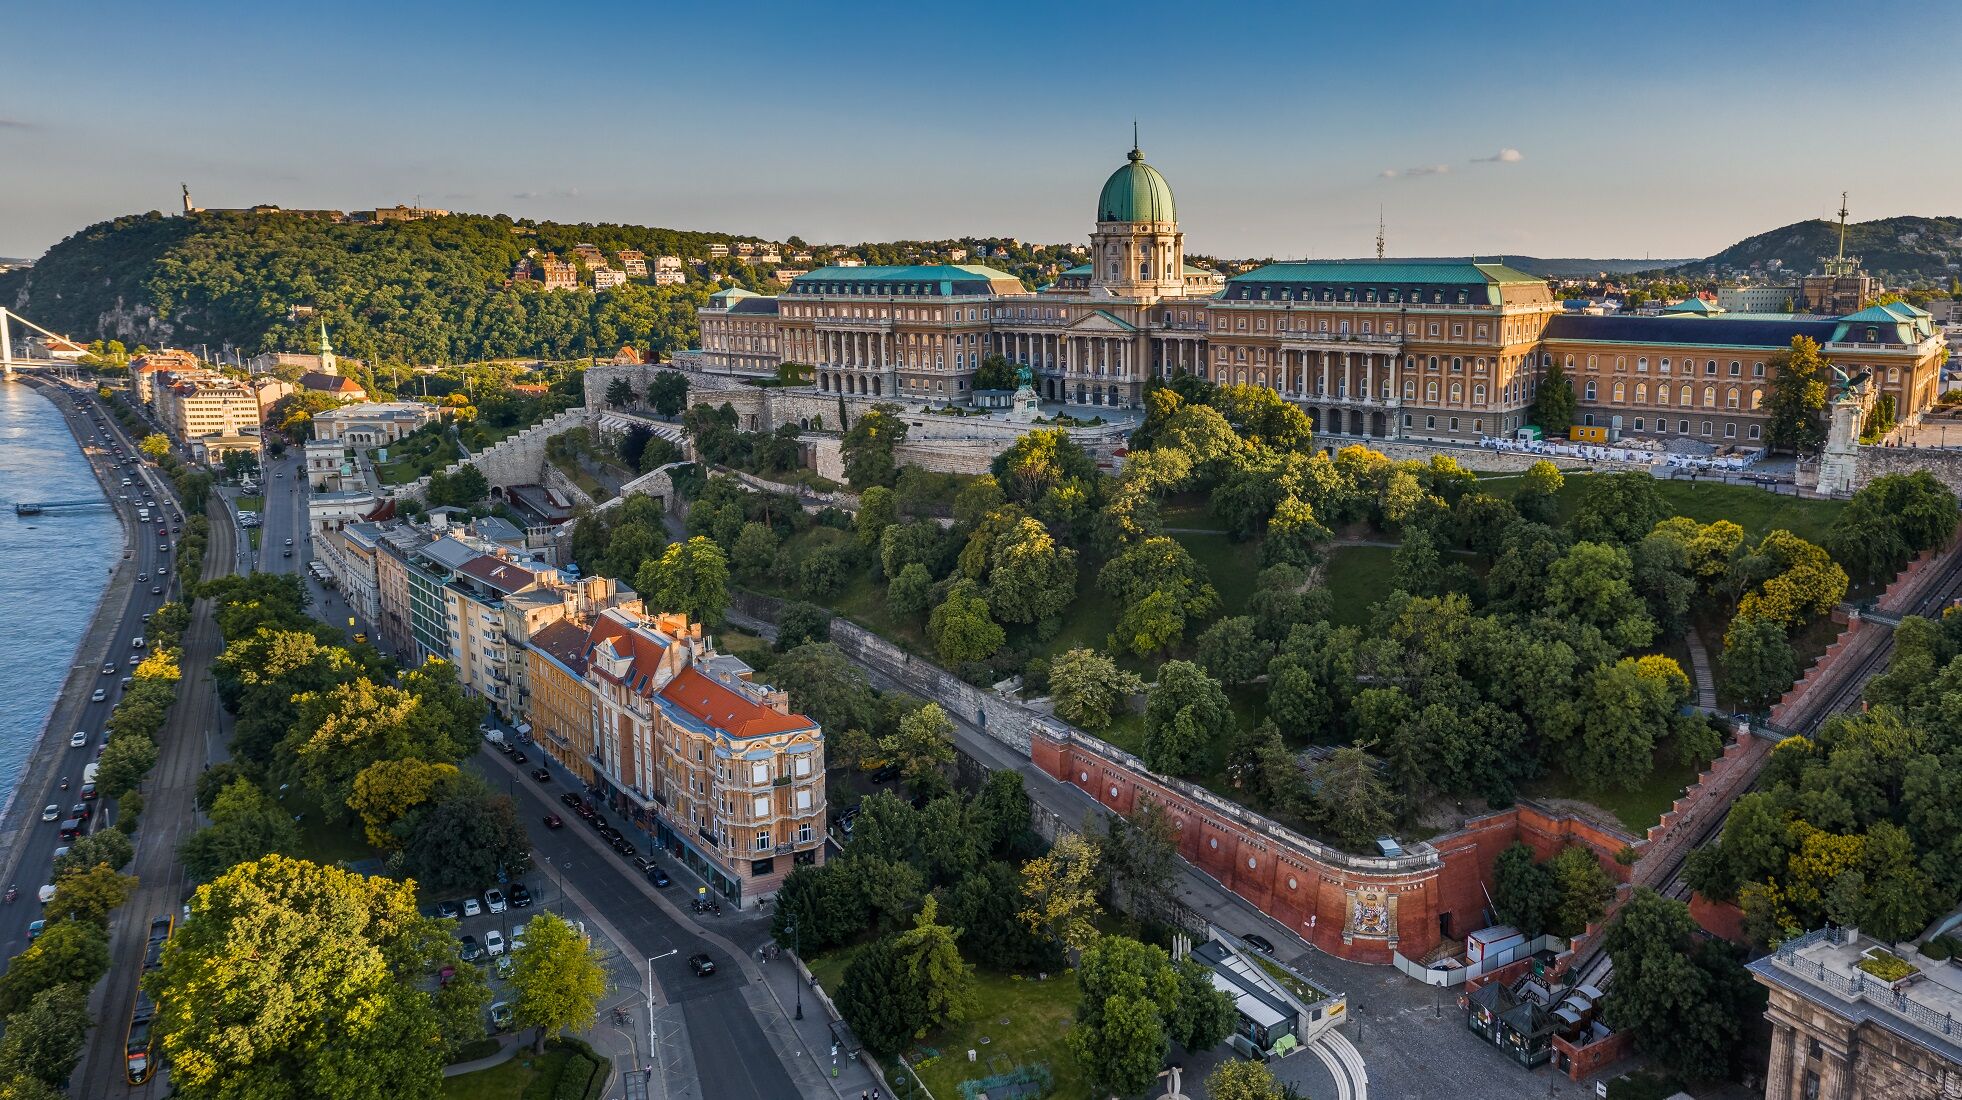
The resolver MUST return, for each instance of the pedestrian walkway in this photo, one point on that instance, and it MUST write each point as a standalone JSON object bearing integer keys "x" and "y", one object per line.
{"x": 1706, "y": 683}
{"x": 846, "y": 1075}
{"x": 507, "y": 1048}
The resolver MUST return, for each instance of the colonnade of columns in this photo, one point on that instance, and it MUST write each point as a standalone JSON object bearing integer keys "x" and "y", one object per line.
{"x": 1786, "y": 1075}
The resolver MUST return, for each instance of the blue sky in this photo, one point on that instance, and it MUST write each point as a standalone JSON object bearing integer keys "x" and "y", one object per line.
{"x": 1282, "y": 128}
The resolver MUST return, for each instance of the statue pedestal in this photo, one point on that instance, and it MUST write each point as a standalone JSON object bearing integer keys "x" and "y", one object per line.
{"x": 1839, "y": 463}
{"x": 1026, "y": 405}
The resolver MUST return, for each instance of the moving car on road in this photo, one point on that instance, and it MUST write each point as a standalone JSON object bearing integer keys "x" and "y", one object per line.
{"x": 542, "y": 775}
{"x": 81, "y": 737}
{"x": 701, "y": 964}
{"x": 554, "y": 821}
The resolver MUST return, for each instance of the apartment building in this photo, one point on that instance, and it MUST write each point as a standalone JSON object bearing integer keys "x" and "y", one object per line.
{"x": 606, "y": 278}
{"x": 633, "y": 262}
{"x": 682, "y": 742}
{"x": 556, "y": 274}
{"x": 195, "y": 404}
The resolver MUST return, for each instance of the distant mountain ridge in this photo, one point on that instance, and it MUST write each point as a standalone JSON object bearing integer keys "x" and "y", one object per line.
{"x": 1899, "y": 250}
{"x": 1555, "y": 267}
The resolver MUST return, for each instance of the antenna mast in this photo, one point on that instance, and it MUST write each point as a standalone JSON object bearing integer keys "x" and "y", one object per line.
{"x": 1379, "y": 231}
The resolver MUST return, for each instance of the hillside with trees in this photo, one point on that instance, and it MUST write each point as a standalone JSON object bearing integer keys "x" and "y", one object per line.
{"x": 1903, "y": 250}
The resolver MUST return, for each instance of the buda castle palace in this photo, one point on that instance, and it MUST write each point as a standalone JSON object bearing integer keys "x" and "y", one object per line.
{"x": 1375, "y": 349}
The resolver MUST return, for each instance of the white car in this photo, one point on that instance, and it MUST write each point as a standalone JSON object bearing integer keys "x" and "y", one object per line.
{"x": 52, "y": 813}
{"x": 494, "y": 942}
{"x": 494, "y": 900}
{"x": 471, "y": 908}
{"x": 98, "y": 696}
{"x": 80, "y": 737}
{"x": 518, "y": 936}
{"x": 505, "y": 964}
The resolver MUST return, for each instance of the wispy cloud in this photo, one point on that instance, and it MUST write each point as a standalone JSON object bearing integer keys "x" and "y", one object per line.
{"x": 16, "y": 124}
{"x": 1507, "y": 155}
{"x": 562, "y": 193}
{"x": 1421, "y": 170}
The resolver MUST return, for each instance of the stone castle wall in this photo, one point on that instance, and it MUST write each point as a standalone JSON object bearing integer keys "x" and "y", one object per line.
{"x": 518, "y": 459}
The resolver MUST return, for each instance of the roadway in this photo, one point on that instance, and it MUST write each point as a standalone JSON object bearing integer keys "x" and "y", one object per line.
{"x": 28, "y": 842}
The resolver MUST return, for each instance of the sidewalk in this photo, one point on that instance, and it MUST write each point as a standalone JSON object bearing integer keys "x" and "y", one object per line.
{"x": 848, "y": 1076}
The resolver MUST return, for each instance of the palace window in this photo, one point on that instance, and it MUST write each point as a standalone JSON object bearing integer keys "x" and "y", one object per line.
{"x": 1683, "y": 427}
{"x": 1730, "y": 398}
{"x": 1757, "y": 399}
{"x": 1590, "y": 390}
{"x": 1709, "y": 397}
{"x": 1686, "y": 396}
{"x": 1478, "y": 394}
{"x": 1430, "y": 392}
{"x": 1457, "y": 365}
{"x": 1706, "y": 427}
{"x": 1642, "y": 365}
{"x": 1710, "y": 369}
{"x": 1663, "y": 367}
{"x": 1638, "y": 423}
{"x": 1730, "y": 431}
{"x": 1755, "y": 431}
{"x": 1757, "y": 370}
{"x": 1621, "y": 392}
{"x": 1736, "y": 369}
{"x": 1457, "y": 392}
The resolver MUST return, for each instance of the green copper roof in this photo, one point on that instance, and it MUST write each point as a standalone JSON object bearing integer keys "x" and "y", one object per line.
{"x": 1693, "y": 307}
{"x": 1080, "y": 269}
{"x": 1136, "y": 193}
{"x": 910, "y": 273}
{"x": 1449, "y": 273}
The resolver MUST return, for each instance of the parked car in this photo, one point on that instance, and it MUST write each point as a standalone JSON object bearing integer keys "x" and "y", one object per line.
{"x": 554, "y": 821}
{"x": 34, "y": 930}
{"x": 500, "y": 1011}
{"x": 621, "y": 846}
{"x": 518, "y": 936}
{"x": 518, "y": 757}
{"x": 505, "y": 964}
{"x": 645, "y": 865}
{"x": 471, "y": 949}
{"x": 701, "y": 964}
{"x": 81, "y": 810}
{"x": 448, "y": 910}
{"x": 520, "y": 896}
{"x": 1257, "y": 942}
{"x": 471, "y": 908}
{"x": 659, "y": 876}
{"x": 494, "y": 942}
{"x": 88, "y": 790}
{"x": 598, "y": 820}
{"x": 494, "y": 900}
{"x": 542, "y": 775}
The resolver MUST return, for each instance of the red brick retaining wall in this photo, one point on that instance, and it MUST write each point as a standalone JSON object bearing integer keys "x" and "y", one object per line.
{"x": 1434, "y": 891}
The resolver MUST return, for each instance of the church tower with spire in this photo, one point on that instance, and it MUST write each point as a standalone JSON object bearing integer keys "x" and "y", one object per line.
{"x": 1137, "y": 250}
{"x": 327, "y": 363}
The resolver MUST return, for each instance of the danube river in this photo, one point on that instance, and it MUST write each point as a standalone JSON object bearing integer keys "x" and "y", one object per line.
{"x": 53, "y": 567}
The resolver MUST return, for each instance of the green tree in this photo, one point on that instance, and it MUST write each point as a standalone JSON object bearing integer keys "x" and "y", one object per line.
{"x": 1625, "y": 709}
{"x": 800, "y": 623}
{"x": 108, "y": 846}
{"x": 1538, "y": 498}
{"x": 1553, "y": 404}
{"x": 878, "y": 998}
{"x": 961, "y": 628}
{"x": 1525, "y": 894}
{"x": 619, "y": 392}
{"x": 1186, "y": 711}
{"x": 690, "y": 577}
{"x": 754, "y": 551}
{"x": 1585, "y": 890}
{"x": 869, "y": 445}
{"x": 245, "y": 825}
{"x": 44, "y": 1039}
{"x": 1593, "y": 584}
{"x": 1889, "y": 520}
{"x": 558, "y": 978}
{"x": 923, "y": 747}
{"x": 1030, "y": 577}
{"x": 1238, "y": 1080}
{"x": 1796, "y": 399}
{"x": 985, "y": 905}
{"x": 154, "y": 446}
{"x": 995, "y": 374}
{"x": 66, "y": 952}
{"x": 1618, "y": 508}
{"x": 125, "y": 761}
{"x": 465, "y": 839}
{"x": 878, "y": 509}
{"x": 668, "y": 392}
{"x": 1087, "y": 687}
{"x": 908, "y": 594}
{"x": 1350, "y": 798}
{"x": 1758, "y": 662}
{"x": 1686, "y": 998}
{"x": 1202, "y": 1016}
{"x": 1161, "y": 588}
{"x": 1233, "y": 651}
{"x": 292, "y": 979}
{"x": 89, "y": 895}
{"x": 1059, "y": 892}
{"x": 931, "y": 959}
{"x": 1124, "y": 1050}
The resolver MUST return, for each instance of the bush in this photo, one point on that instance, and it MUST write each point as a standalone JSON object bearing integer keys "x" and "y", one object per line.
{"x": 475, "y": 1049}
{"x": 1936, "y": 949}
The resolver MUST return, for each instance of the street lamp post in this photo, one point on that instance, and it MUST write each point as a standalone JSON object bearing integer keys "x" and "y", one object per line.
{"x": 795, "y": 943}
{"x": 650, "y": 1010}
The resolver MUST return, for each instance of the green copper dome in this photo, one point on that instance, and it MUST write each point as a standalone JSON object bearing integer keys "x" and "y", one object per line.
{"x": 1136, "y": 193}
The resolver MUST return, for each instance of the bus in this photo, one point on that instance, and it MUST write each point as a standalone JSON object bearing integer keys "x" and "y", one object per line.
{"x": 139, "y": 1060}
{"x": 143, "y": 514}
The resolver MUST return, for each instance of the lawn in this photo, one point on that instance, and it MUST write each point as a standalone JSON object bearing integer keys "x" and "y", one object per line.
{"x": 1755, "y": 510}
{"x": 251, "y": 504}
{"x": 1189, "y": 510}
{"x": 504, "y": 1081}
{"x": 1636, "y": 809}
{"x": 1038, "y": 1015}
{"x": 1233, "y": 567}
{"x": 324, "y": 841}
{"x": 1356, "y": 577}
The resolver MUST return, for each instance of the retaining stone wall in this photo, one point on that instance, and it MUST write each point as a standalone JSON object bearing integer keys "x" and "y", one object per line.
{"x": 518, "y": 459}
{"x": 1875, "y": 462}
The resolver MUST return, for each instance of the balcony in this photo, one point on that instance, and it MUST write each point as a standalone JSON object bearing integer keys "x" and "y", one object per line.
{"x": 1371, "y": 340}
{"x": 853, "y": 324}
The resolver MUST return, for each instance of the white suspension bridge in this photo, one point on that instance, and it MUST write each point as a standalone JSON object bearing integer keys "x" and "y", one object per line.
{"x": 25, "y": 360}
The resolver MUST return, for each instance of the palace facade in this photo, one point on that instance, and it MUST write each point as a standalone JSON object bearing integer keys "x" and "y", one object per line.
{"x": 1435, "y": 350}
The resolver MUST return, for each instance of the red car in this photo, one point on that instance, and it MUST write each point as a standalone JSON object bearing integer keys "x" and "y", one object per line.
{"x": 553, "y": 821}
